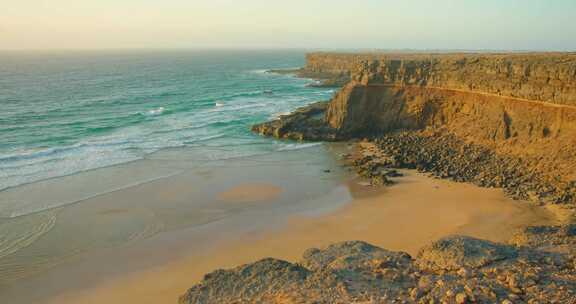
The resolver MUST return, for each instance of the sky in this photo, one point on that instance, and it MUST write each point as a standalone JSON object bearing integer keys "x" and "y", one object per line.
{"x": 311, "y": 24}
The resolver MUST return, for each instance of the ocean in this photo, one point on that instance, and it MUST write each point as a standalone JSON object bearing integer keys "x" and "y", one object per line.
{"x": 69, "y": 112}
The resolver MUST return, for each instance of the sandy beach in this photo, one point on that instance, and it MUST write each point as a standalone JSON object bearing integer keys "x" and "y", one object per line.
{"x": 250, "y": 193}
{"x": 403, "y": 217}
{"x": 139, "y": 227}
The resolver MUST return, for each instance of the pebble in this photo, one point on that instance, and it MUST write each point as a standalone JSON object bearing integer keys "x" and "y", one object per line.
{"x": 461, "y": 298}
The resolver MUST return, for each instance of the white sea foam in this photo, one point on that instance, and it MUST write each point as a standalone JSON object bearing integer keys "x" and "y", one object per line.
{"x": 202, "y": 117}
{"x": 21, "y": 232}
{"x": 237, "y": 107}
{"x": 14, "y": 207}
{"x": 155, "y": 112}
{"x": 292, "y": 147}
{"x": 277, "y": 115}
{"x": 207, "y": 138}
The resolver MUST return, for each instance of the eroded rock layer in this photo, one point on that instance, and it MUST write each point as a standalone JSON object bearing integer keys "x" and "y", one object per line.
{"x": 549, "y": 77}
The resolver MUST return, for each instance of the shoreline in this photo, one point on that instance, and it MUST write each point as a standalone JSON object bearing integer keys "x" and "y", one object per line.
{"x": 372, "y": 213}
{"x": 455, "y": 124}
{"x": 109, "y": 235}
{"x": 413, "y": 214}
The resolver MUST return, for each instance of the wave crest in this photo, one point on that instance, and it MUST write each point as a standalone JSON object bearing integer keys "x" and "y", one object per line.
{"x": 154, "y": 112}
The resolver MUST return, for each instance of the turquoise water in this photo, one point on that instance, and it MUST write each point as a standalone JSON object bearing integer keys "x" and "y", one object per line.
{"x": 64, "y": 113}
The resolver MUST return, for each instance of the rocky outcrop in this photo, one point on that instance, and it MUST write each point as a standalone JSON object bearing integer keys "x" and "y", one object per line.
{"x": 459, "y": 252}
{"x": 455, "y": 269}
{"x": 305, "y": 123}
{"x": 546, "y": 236}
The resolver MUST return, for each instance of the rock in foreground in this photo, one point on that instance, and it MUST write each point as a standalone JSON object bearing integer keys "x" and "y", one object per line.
{"x": 456, "y": 269}
{"x": 462, "y": 252}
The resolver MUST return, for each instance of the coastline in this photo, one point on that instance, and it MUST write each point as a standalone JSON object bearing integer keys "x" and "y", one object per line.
{"x": 403, "y": 217}
{"x": 406, "y": 216}
{"x": 153, "y": 223}
{"x": 441, "y": 114}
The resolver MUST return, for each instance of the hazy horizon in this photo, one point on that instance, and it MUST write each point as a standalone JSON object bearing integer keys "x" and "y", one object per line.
{"x": 509, "y": 25}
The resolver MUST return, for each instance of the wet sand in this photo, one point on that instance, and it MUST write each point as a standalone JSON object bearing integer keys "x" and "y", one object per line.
{"x": 402, "y": 217}
{"x": 95, "y": 240}
{"x": 255, "y": 192}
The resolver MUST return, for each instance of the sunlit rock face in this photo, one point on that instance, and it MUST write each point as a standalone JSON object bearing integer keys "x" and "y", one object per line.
{"x": 454, "y": 269}
{"x": 549, "y": 77}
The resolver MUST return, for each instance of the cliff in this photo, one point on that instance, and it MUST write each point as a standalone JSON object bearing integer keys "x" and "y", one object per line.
{"x": 549, "y": 77}
{"x": 521, "y": 106}
{"x": 508, "y": 125}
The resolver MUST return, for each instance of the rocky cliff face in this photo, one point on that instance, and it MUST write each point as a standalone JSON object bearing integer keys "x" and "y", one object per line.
{"x": 500, "y": 122}
{"x": 521, "y": 106}
{"x": 549, "y": 77}
{"x": 472, "y": 98}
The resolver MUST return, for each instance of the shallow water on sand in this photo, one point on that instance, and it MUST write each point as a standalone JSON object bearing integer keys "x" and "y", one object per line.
{"x": 403, "y": 217}
{"x": 69, "y": 112}
{"x": 201, "y": 203}
{"x": 77, "y": 128}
